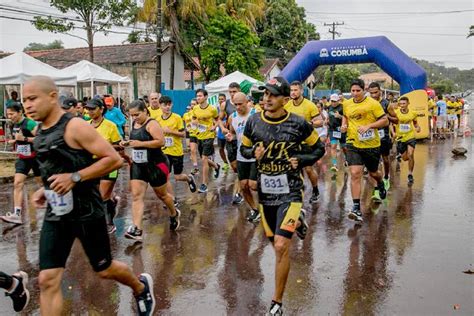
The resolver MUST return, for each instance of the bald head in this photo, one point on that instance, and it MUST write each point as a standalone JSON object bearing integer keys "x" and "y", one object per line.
{"x": 43, "y": 83}
{"x": 155, "y": 100}
{"x": 40, "y": 99}
{"x": 240, "y": 97}
{"x": 240, "y": 102}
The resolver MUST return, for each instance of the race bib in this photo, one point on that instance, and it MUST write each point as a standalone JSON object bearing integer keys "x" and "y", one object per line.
{"x": 202, "y": 128}
{"x": 274, "y": 184}
{"x": 404, "y": 128}
{"x": 336, "y": 134}
{"x": 452, "y": 117}
{"x": 140, "y": 155}
{"x": 368, "y": 135}
{"x": 193, "y": 126}
{"x": 60, "y": 204}
{"x": 169, "y": 141}
{"x": 381, "y": 133}
{"x": 24, "y": 150}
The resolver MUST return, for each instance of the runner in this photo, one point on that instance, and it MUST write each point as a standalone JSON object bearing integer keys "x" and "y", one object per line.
{"x": 322, "y": 127}
{"x": 109, "y": 131}
{"x": 441, "y": 118}
{"x": 24, "y": 131}
{"x": 15, "y": 287}
{"x": 452, "y": 106}
{"x": 205, "y": 118}
{"x": 173, "y": 128}
{"x": 246, "y": 168}
{"x": 335, "y": 134}
{"x": 221, "y": 141}
{"x": 406, "y": 138}
{"x": 154, "y": 108}
{"x": 65, "y": 146}
{"x": 458, "y": 111}
{"x": 384, "y": 133}
{"x": 362, "y": 117}
{"x": 191, "y": 130}
{"x": 114, "y": 115}
{"x": 149, "y": 166}
{"x": 282, "y": 143}
{"x": 303, "y": 107}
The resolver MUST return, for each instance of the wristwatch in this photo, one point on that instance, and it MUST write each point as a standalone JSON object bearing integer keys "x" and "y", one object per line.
{"x": 76, "y": 177}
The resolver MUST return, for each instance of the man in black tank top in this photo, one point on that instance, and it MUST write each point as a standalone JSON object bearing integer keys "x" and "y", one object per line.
{"x": 65, "y": 146}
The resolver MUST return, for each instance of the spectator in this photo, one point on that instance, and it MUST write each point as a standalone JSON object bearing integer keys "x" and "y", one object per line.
{"x": 114, "y": 114}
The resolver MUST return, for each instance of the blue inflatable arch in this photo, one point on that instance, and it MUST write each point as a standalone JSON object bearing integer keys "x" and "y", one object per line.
{"x": 379, "y": 50}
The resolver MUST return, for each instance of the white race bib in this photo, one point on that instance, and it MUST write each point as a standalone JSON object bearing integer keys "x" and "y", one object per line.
{"x": 404, "y": 128}
{"x": 202, "y": 128}
{"x": 368, "y": 135}
{"x": 193, "y": 126}
{"x": 381, "y": 133}
{"x": 60, "y": 204}
{"x": 274, "y": 184}
{"x": 169, "y": 142}
{"x": 336, "y": 134}
{"x": 24, "y": 150}
{"x": 140, "y": 155}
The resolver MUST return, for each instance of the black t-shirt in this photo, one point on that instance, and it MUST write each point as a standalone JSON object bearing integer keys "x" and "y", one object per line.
{"x": 334, "y": 122}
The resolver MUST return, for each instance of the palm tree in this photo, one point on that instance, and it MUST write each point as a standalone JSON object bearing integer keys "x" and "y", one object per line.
{"x": 247, "y": 11}
{"x": 471, "y": 31}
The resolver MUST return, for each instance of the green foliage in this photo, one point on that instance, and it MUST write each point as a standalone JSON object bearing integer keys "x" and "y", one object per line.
{"x": 443, "y": 86}
{"x": 284, "y": 30}
{"x": 343, "y": 77}
{"x": 56, "y": 44}
{"x": 471, "y": 31}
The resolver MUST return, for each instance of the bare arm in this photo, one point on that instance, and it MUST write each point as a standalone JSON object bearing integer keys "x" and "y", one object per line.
{"x": 391, "y": 115}
{"x": 317, "y": 121}
{"x": 221, "y": 117}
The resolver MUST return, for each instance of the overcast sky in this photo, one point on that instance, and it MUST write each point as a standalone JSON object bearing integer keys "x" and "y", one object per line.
{"x": 421, "y": 28}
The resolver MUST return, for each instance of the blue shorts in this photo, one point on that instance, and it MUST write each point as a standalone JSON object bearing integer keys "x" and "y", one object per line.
{"x": 335, "y": 140}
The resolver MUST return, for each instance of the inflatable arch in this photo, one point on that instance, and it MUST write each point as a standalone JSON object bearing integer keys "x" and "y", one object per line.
{"x": 379, "y": 50}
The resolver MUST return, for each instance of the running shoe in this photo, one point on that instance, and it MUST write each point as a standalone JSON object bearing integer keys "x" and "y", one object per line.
{"x": 254, "y": 216}
{"x": 302, "y": 230}
{"x": 226, "y": 167}
{"x": 195, "y": 171}
{"x": 346, "y": 164}
{"x": 314, "y": 198}
{"x": 355, "y": 215}
{"x": 217, "y": 171}
{"x": 410, "y": 179}
{"x": 382, "y": 191}
{"x": 20, "y": 296}
{"x": 334, "y": 168}
{"x": 202, "y": 188}
{"x": 275, "y": 309}
{"x": 386, "y": 184}
{"x": 134, "y": 233}
{"x": 174, "y": 220}
{"x": 146, "y": 300}
{"x": 399, "y": 157}
{"x": 175, "y": 202}
{"x": 12, "y": 218}
{"x": 376, "y": 196}
{"x": 192, "y": 183}
{"x": 111, "y": 214}
{"x": 237, "y": 199}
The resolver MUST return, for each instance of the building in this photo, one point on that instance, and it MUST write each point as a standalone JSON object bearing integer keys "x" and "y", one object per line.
{"x": 271, "y": 68}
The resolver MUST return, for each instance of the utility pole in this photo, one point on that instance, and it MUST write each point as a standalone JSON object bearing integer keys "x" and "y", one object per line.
{"x": 159, "y": 36}
{"x": 334, "y": 33}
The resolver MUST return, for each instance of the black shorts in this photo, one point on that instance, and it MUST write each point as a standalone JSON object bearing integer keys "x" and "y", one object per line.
{"x": 176, "y": 164}
{"x": 403, "y": 146}
{"x": 156, "y": 174}
{"x": 56, "y": 240}
{"x": 24, "y": 166}
{"x": 113, "y": 176}
{"x": 247, "y": 170}
{"x": 206, "y": 147}
{"x": 221, "y": 143}
{"x": 280, "y": 219}
{"x": 368, "y": 157}
{"x": 193, "y": 139}
{"x": 231, "y": 148}
{"x": 385, "y": 146}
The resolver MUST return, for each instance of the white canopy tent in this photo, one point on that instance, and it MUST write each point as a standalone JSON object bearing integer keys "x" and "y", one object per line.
{"x": 222, "y": 85}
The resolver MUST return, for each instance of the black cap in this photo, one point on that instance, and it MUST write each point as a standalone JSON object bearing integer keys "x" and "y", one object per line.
{"x": 68, "y": 103}
{"x": 94, "y": 103}
{"x": 277, "y": 86}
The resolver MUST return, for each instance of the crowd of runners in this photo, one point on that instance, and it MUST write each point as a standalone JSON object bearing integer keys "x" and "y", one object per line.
{"x": 77, "y": 149}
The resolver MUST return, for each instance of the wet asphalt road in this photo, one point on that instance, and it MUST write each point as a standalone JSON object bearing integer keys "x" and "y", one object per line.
{"x": 407, "y": 258}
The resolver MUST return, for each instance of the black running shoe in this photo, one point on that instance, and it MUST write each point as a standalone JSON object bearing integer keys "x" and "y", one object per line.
{"x": 314, "y": 198}
{"x": 217, "y": 171}
{"x": 410, "y": 179}
{"x": 254, "y": 216}
{"x": 174, "y": 220}
{"x": 302, "y": 230}
{"x": 21, "y": 295}
{"x": 195, "y": 171}
{"x": 202, "y": 188}
{"x": 146, "y": 300}
{"x": 382, "y": 191}
{"x": 134, "y": 233}
{"x": 275, "y": 309}
{"x": 237, "y": 199}
{"x": 355, "y": 215}
{"x": 192, "y": 183}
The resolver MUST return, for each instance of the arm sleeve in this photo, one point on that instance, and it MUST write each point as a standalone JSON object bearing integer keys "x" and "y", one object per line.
{"x": 246, "y": 148}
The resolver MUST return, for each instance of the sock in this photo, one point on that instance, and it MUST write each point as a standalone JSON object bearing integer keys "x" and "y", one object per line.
{"x": 17, "y": 210}
{"x": 275, "y": 303}
{"x": 6, "y": 281}
{"x": 356, "y": 204}
{"x": 315, "y": 190}
{"x": 334, "y": 161}
{"x": 195, "y": 165}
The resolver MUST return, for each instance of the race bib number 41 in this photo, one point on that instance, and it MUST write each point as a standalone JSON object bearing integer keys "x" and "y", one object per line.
{"x": 274, "y": 184}
{"x": 140, "y": 155}
{"x": 60, "y": 204}
{"x": 368, "y": 135}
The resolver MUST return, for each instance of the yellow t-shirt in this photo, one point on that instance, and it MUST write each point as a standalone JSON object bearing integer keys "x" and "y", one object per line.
{"x": 360, "y": 114}
{"x": 451, "y": 107}
{"x": 431, "y": 106}
{"x": 108, "y": 130}
{"x": 173, "y": 144}
{"x": 205, "y": 118}
{"x": 155, "y": 114}
{"x": 405, "y": 128}
{"x": 307, "y": 109}
{"x": 258, "y": 108}
{"x": 190, "y": 127}
{"x": 458, "y": 108}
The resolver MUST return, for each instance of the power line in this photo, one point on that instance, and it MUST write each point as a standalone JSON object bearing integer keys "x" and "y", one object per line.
{"x": 408, "y": 33}
{"x": 392, "y": 13}
{"x": 334, "y": 33}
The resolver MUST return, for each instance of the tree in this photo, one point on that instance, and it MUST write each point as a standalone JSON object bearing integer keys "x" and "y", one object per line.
{"x": 93, "y": 16}
{"x": 230, "y": 44}
{"x": 56, "y": 44}
{"x": 471, "y": 31}
{"x": 247, "y": 11}
{"x": 343, "y": 77}
{"x": 284, "y": 30}
{"x": 443, "y": 86}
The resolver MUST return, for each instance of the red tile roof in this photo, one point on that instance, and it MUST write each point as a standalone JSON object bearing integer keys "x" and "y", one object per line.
{"x": 268, "y": 65}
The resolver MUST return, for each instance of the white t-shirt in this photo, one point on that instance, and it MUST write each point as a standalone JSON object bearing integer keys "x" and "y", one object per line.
{"x": 238, "y": 123}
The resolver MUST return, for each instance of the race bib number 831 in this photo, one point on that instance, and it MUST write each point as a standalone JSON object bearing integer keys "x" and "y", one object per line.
{"x": 274, "y": 184}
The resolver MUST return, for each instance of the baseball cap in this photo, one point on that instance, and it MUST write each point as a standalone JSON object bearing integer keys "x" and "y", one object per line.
{"x": 68, "y": 103}
{"x": 277, "y": 86}
{"x": 94, "y": 103}
{"x": 334, "y": 97}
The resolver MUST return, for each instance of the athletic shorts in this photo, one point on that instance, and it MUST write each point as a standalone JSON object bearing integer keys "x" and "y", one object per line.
{"x": 280, "y": 219}
{"x": 368, "y": 157}
{"x": 231, "y": 148}
{"x": 206, "y": 147}
{"x": 221, "y": 143}
{"x": 441, "y": 121}
{"x": 156, "y": 174}
{"x": 403, "y": 146}
{"x": 193, "y": 139}
{"x": 176, "y": 164}
{"x": 56, "y": 240}
{"x": 247, "y": 170}
{"x": 334, "y": 140}
{"x": 24, "y": 166}
{"x": 113, "y": 176}
{"x": 385, "y": 146}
